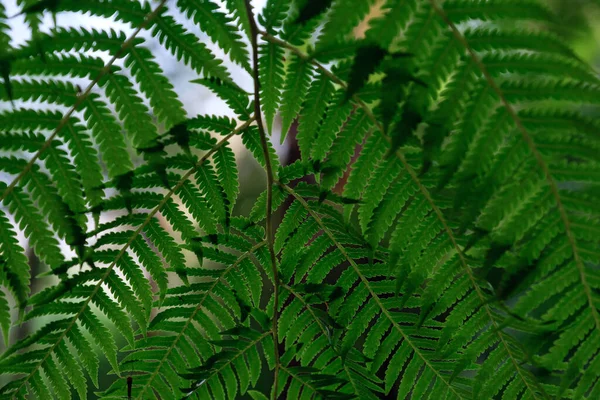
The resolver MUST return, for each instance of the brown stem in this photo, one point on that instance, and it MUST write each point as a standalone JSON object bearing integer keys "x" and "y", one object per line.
{"x": 269, "y": 169}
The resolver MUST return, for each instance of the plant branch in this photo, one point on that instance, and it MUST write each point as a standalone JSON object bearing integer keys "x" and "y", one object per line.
{"x": 323, "y": 329}
{"x": 424, "y": 191}
{"x": 269, "y": 169}
{"x": 128, "y": 244}
{"x": 80, "y": 99}
{"x": 193, "y": 315}
{"x": 365, "y": 282}
{"x": 536, "y": 154}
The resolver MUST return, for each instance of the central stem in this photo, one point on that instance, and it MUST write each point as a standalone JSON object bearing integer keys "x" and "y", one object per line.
{"x": 269, "y": 169}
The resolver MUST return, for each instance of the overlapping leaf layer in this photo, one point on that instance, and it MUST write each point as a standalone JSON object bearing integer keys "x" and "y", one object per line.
{"x": 439, "y": 236}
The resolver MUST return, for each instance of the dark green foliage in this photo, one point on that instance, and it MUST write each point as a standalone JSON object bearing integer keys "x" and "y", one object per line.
{"x": 232, "y": 94}
{"x": 310, "y": 9}
{"x": 41, "y": 6}
{"x": 438, "y": 238}
{"x": 271, "y": 79}
{"x": 367, "y": 58}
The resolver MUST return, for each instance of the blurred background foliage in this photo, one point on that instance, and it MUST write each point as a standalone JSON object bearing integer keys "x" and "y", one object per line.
{"x": 578, "y": 21}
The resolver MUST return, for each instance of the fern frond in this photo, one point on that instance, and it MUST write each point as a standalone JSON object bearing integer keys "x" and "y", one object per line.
{"x": 271, "y": 76}
{"x": 460, "y": 10}
{"x": 198, "y": 207}
{"x": 190, "y": 302}
{"x": 344, "y": 147}
{"x": 330, "y": 127}
{"x": 436, "y": 239}
{"x": 85, "y": 159}
{"x": 35, "y": 228}
{"x": 155, "y": 86}
{"x": 529, "y": 155}
{"x": 224, "y": 363}
{"x": 14, "y": 265}
{"x": 218, "y": 26}
{"x": 238, "y": 9}
{"x": 186, "y": 46}
{"x": 251, "y": 140}
{"x": 369, "y": 290}
{"x": 228, "y": 175}
{"x": 232, "y": 94}
{"x": 273, "y": 14}
{"x": 394, "y": 17}
{"x": 132, "y": 13}
{"x": 294, "y": 92}
{"x": 314, "y": 107}
{"x": 212, "y": 190}
{"x": 106, "y": 133}
{"x": 131, "y": 110}
{"x": 94, "y": 294}
{"x": 342, "y": 18}
{"x": 413, "y": 176}
{"x": 221, "y": 125}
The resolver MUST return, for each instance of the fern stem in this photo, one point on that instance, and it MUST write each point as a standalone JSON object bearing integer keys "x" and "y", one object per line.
{"x": 306, "y": 305}
{"x": 537, "y": 155}
{"x": 296, "y": 377}
{"x": 425, "y": 192}
{"x": 193, "y": 315}
{"x": 323, "y": 329}
{"x": 128, "y": 244}
{"x": 81, "y": 98}
{"x": 269, "y": 169}
{"x": 242, "y": 351}
{"x": 365, "y": 282}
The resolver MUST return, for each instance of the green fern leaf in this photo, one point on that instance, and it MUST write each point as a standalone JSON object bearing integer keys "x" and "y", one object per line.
{"x": 106, "y": 133}
{"x": 221, "y": 125}
{"x": 251, "y": 139}
{"x": 232, "y": 94}
{"x": 312, "y": 112}
{"x": 132, "y": 111}
{"x": 394, "y": 17}
{"x": 238, "y": 9}
{"x": 292, "y": 219}
{"x": 186, "y": 46}
{"x": 71, "y": 369}
{"x": 14, "y": 265}
{"x": 273, "y": 14}
{"x": 64, "y": 174}
{"x": 489, "y": 38}
{"x": 5, "y": 319}
{"x": 219, "y": 363}
{"x": 35, "y": 228}
{"x": 198, "y": 207}
{"x": 294, "y": 92}
{"x": 179, "y": 221}
{"x": 116, "y": 315}
{"x": 227, "y": 173}
{"x": 383, "y": 176}
{"x": 332, "y": 123}
{"x": 155, "y": 86}
{"x": 168, "y": 247}
{"x": 458, "y": 10}
{"x": 437, "y": 238}
{"x": 212, "y": 190}
{"x": 86, "y": 161}
{"x": 218, "y": 26}
{"x": 101, "y": 336}
{"x": 271, "y": 77}
{"x": 344, "y": 16}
